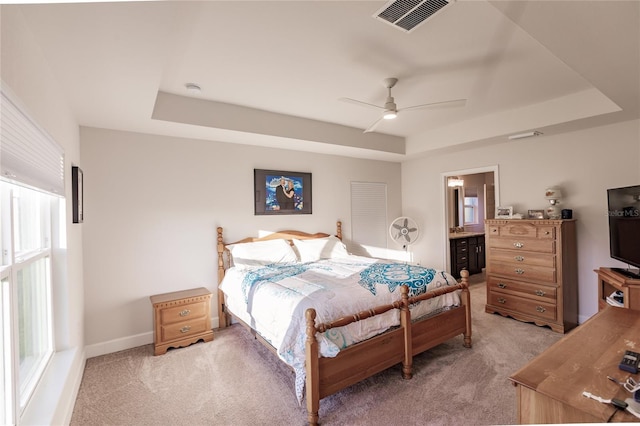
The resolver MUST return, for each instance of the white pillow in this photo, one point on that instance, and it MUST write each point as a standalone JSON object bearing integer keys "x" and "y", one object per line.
{"x": 262, "y": 253}
{"x": 320, "y": 248}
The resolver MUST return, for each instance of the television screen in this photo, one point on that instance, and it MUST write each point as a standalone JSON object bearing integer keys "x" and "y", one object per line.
{"x": 624, "y": 224}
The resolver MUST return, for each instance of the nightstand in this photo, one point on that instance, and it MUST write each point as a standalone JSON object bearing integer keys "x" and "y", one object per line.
{"x": 181, "y": 318}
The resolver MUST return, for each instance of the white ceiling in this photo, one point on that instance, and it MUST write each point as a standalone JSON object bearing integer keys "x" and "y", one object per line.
{"x": 272, "y": 73}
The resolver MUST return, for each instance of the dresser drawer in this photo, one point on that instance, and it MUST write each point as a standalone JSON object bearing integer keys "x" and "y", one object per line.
{"x": 527, "y": 290}
{"x": 523, "y": 230}
{"x": 183, "y": 312}
{"x": 184, "y": 329}
{"x": 524, "y": 272}
{"x": 524, "y": 258}
{"x": 523, "y": 244}
{"x": 534, "y": 308}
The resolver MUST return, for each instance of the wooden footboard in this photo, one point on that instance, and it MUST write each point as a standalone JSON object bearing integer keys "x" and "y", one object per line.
{"x": 326, "y": 376}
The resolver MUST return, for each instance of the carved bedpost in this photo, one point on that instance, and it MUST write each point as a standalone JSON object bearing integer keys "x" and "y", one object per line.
{"x": 339, "y": 229}
{"x": 222, "y": 315}
{"x": 466, "y": 301}
{"x": 312, "y": 367}
{"x": 405, "y": 323}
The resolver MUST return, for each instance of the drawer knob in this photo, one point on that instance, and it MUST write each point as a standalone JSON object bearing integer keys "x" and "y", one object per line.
{"x": 185, "y": 329}
{"x": 519, "y": 258}
{"x": 184, "y": 312}
{"x": 540, "y": 309}
{"x": 518, "y": 244}
{"x": 502, "y": 300}
{"x": 519, "y": 271}
{"x": 540, "y": 293}
{"x": 502, "y": 285}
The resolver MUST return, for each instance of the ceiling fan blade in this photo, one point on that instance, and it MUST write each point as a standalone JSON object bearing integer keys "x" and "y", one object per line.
{"x": 443, "y": 104}
{"x": 357, "y": 102}
{"x": 374, "y": 125}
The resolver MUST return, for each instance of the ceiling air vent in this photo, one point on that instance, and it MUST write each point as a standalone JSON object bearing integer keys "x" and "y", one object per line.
{"x": 406, "y": 15}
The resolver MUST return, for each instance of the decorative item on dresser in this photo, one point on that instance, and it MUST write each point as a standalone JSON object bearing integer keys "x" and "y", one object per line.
{"x": 181, "y": 318}
{"x": 532, "y": 271}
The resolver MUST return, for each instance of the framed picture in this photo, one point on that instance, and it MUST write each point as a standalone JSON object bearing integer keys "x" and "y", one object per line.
{"x": 504, "y": 212}
{"x": 76, "y": 194}
{"x": 279, "y": 192}
{"x": 536, "y": 214}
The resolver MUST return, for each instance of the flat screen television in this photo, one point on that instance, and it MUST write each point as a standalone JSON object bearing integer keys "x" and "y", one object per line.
{"x": 624, "y": 227}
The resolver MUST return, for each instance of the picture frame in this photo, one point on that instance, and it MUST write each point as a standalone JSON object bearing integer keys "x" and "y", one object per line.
{"x": 273, "y": 195}
{"x": 77, "y": 192}
{"x": 536, "y": 214}
{"x": 504, "y": 212}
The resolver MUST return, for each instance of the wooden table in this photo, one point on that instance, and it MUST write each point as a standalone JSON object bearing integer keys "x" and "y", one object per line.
{"x": 549, "y": 388}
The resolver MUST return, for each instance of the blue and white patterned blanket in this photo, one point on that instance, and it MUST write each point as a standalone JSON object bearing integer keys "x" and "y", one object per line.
{"x": 272, "y": 300}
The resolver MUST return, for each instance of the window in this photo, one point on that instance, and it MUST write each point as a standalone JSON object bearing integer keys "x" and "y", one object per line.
{"x": 26, "y": 293}
{"x": 470, "y": 210}
{"x": 31, "y": 172}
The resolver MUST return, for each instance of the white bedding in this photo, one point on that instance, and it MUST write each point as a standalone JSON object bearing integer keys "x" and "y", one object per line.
{"x": 272, "y": 299}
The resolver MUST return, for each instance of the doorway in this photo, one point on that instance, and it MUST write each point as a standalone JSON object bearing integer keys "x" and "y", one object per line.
{"x": 470, "y": 197}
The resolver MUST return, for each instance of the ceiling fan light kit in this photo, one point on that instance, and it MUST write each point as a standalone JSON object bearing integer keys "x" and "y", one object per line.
{"x": 390, "y": 109}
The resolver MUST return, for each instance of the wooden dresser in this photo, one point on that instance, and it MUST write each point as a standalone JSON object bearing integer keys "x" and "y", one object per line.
{"x": 532, "y": 271}
{"x": 181, "y": 318}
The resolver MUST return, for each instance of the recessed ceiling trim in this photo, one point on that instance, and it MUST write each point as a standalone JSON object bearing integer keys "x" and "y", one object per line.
{"x": 407, "y": 15}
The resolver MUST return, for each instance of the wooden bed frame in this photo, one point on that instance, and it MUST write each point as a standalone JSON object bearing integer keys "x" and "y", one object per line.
{"x": 326, "y": 376}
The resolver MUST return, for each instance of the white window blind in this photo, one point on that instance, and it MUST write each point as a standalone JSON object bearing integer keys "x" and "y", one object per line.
{"x": 28, "y": 155}
{"x": 369, "y": 214}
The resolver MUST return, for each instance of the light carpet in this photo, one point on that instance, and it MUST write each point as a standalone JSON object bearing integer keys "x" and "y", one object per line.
{"x": 234, "y": 380}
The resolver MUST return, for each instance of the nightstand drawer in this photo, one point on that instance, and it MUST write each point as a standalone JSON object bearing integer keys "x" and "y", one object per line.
{"x": 183, "y": 312}
{"x": 184, "y": 329}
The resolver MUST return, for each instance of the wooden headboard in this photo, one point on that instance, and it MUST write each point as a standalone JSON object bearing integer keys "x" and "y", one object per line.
{"x": 288, "y": 235}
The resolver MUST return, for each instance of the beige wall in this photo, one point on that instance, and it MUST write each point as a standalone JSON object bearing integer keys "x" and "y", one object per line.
{"x": 584, "y": 164}
{"x": 152, "y": 205}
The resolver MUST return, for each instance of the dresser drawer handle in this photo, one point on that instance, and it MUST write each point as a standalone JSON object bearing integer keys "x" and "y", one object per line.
{"x": 184, "y": 313}
{"x": 502, "y": 300}
{"x": 185, "y": 329}
{"x": 540, "y": 309}
{"x": 540, "y": 293}
{"x": 519, "y": 271}
{"x": 502, "y": 285}
{"x": 518, "y": 245}
{"x": 519, "y": 258}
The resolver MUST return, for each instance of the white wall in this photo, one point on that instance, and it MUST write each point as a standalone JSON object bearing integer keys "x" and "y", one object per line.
{"x": 152, "y": 205}
{"x": 26, "y": 73}
{"x": 584, "y": 164}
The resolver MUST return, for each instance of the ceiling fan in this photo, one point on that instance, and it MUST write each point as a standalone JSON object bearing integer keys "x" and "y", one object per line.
{"x": 390, "y": 109}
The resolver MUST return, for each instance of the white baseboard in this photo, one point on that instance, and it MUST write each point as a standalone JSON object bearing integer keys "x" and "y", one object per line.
{"x": 117, "y": 345}
{"x": 128, "y": 342}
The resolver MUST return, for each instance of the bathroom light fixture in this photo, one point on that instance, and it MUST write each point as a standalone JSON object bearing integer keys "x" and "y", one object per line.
{"x": 454, "y": 182}
{"x": 525, "y": 135}
{"x": 193, "y": 88}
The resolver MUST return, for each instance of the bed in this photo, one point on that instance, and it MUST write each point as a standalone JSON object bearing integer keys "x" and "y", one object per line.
{"x": 340, "y": 318}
